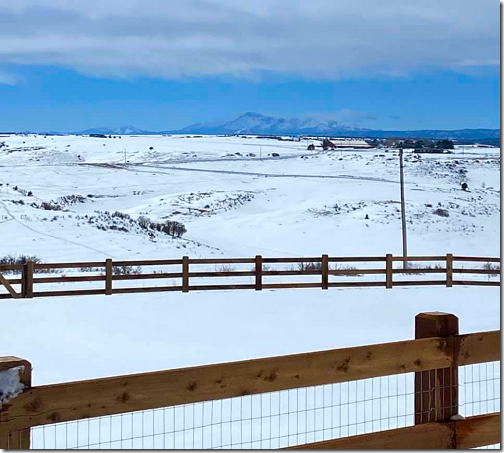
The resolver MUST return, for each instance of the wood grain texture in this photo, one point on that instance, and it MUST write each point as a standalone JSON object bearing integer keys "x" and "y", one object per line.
{"x": 9, "y": 439}
{"x": 430, "y": 436}
{"x": 478, "y": 431}
{"x": 478, "y": 347}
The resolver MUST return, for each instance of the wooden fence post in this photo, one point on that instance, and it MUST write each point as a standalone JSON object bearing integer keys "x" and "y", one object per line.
{"x": 27, "y": 280}
{"x": 325, "y": 271}
{"x": 449, "y": 270}
{"x": 185, "y": 274}
{"x": 109, "y": 272}
{"x": 258, "y": 272}
{"x": 436, "y": 391}
{"x": 388, "y": 268}
{"x": 15, "y": 440}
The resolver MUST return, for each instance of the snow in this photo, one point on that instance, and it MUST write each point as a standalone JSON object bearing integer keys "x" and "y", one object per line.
{"x": 10, "y": 384}
{"x": 86, "y": 337}
{"x": 236, "y": 200}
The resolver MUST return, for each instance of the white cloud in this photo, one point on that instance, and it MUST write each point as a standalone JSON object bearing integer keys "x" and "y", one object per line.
{"x": 323, "y": 39}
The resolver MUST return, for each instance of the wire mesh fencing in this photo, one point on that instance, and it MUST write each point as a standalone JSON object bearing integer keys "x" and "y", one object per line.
{"x": 268, "y": 420}
{"x": 281, "y": 418}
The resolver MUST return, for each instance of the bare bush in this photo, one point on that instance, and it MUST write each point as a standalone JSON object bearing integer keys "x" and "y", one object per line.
{"x": 23, "y": 259}
{"x": 492, "y": 267}
{"x": 126, "y": 270}
{"x": 442, "y": 212}
{"x": 310, "y": 266}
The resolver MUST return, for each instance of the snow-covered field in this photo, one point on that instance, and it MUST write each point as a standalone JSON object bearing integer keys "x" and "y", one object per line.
{"x": 237, "y": 197}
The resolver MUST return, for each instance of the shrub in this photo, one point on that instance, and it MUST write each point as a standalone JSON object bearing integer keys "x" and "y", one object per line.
{"x": 310, "y": 266}
{"x": 442, "y": 212}
{"x": 50, "y": 206}
{"x": 491, "y": 267}
{"x": 23, "y": 259}
{"x": 126, "y": 270}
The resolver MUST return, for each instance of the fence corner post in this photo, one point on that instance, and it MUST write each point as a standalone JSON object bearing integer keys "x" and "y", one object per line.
{"x": 19, "y": 440}
{"x": 436, "y": 391}
{"x": 109, "y": 271}
{"x": 449, "y": 270}
{"x": 27, "y": 280}
{"x": 388, "y": 270}
{"x": 185, "y": 274}
{"x": 258, "y": 272}
{"x": 325, "y": 271}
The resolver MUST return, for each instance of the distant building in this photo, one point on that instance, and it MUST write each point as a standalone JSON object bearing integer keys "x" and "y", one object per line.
{"x": 98, "y": 135}
{"x": 354, "y": 143}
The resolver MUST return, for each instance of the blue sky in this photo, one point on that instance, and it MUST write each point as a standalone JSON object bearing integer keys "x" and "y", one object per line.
{"x": 69, "y": 66}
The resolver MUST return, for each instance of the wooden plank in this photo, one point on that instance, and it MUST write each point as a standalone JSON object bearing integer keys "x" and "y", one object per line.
{"x": 74, "y": 292}
{"x": 293, "y": 260}
{"x": 76, "y": 400}
{"x": 148, "y": 262}
{"x": 420, "y": 283}
{"x": 9, "y": 288}
{"x": 222, "y": 274}
{"x": 478, "y": 431}
{"x": 40, "y": 266}
{"x": 475, "y": 283}
{"x": 15, "y": 281}
{"x": 221, "y": 261}
{"x": 449, "y": 270}
{"x": 15, "y": 440}
{"x": 290, "y": 285}
{"x": 389, "y": 271}
{"x": 109, "y": 273}
{"x": 430, "y": 436}
{"x": 353, "y": 284}
{"x": 11, "y": 267}
{"x": 325, "y": 271}
{"x": 220, "y": 287}
{"x": 185, "y": 274}
{"x": 258, "y": 272}
{"x": 476, "y": 259}
{"x": 436, "y": 390}
{"x": 351, "y": 259}
{"x": 478, "y": 347}
{"x": 28, "y": 279}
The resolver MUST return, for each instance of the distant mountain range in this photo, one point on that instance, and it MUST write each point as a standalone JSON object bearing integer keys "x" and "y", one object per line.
{"x": 257, "y": 124}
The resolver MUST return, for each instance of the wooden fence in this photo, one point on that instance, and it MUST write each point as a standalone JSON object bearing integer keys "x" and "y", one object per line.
{"x": 449, "y": 267}
{"x": 434, "y": 356}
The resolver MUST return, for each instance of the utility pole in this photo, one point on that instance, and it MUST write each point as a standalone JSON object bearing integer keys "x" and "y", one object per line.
{"x": 125, "y": 157}
{"x": 260, "y": 153}
{"x": 403, "y": 213}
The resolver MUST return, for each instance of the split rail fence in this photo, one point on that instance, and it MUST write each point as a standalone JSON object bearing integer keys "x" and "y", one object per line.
{"x": 438, "y": 391}
{"x": 260, "y": 269}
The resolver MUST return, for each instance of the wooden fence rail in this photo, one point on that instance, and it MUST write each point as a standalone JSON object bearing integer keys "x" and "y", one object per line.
{"x": 259, "y": 274}
{"x": 438, "y": 350}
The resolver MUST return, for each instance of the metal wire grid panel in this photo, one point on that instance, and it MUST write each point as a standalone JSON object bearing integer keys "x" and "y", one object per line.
{"x": 268, "y": 420}
{"x": 479, "y": 391}
{"x": 273, "y": 420}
